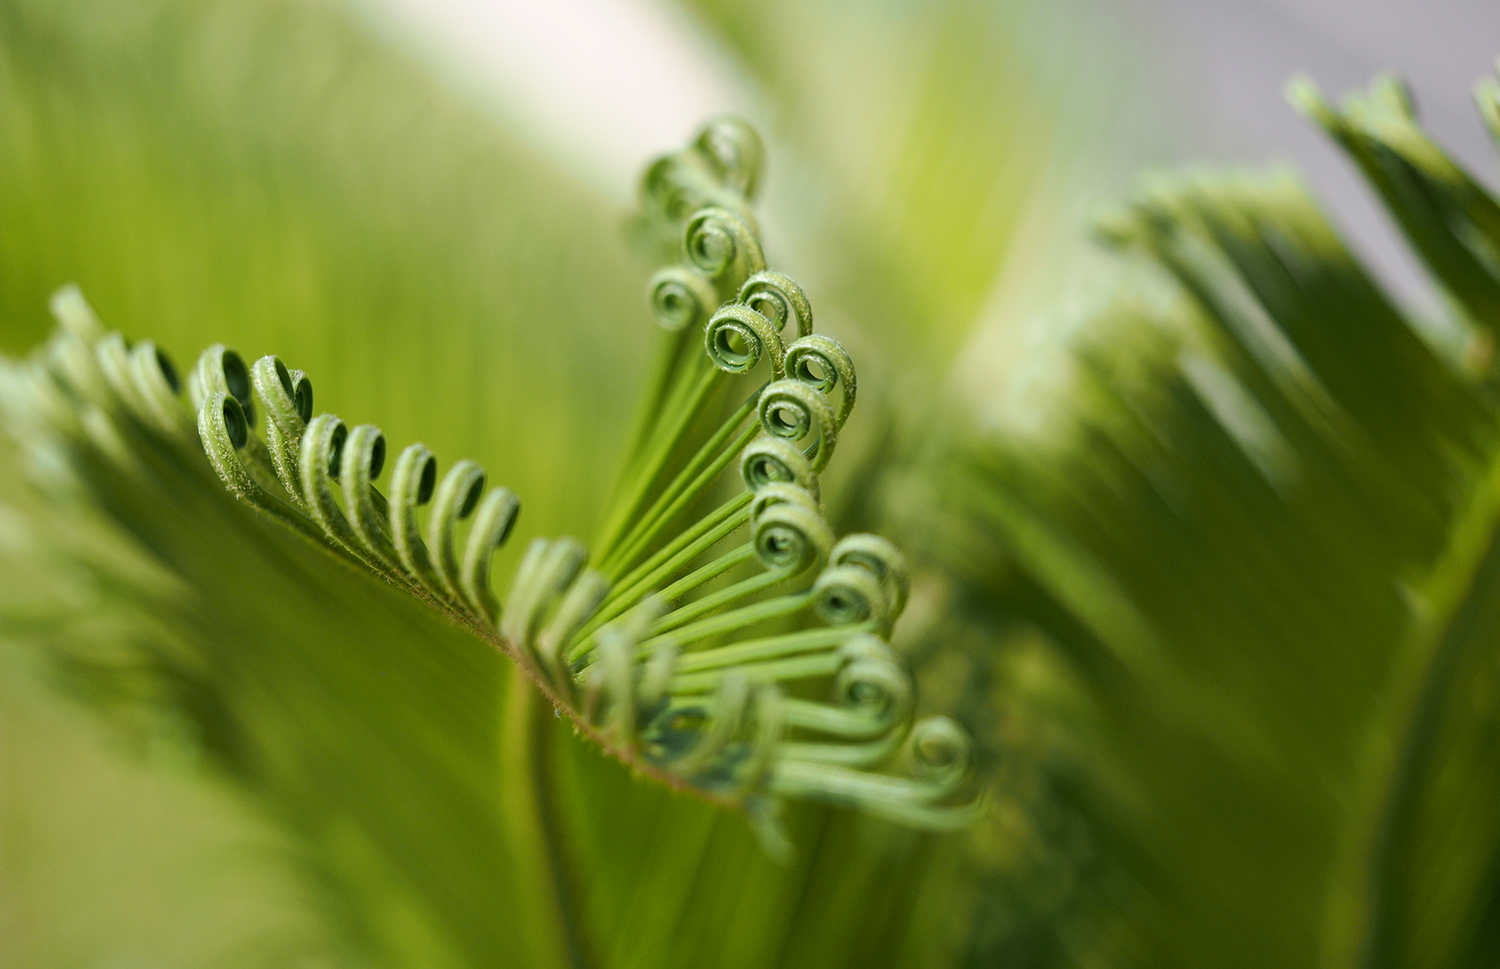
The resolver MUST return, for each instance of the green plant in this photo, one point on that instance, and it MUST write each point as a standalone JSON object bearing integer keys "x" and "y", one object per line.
{"x": 1263, "y": 543}
{"x": 670, "y": 653}
{"x": 650, "y": 652}
{"x": 1223, "y": 631}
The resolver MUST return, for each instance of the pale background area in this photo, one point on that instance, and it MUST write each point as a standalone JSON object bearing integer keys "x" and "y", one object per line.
{"x": 604, "y": 84}
{"x": 601, "y": 85}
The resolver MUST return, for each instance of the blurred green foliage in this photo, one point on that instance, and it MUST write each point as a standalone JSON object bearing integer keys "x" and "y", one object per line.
{"x": 1265, "y": 548}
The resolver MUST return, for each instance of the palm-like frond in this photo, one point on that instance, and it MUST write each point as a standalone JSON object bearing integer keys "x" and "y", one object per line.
{"x": 1263, "y": 546}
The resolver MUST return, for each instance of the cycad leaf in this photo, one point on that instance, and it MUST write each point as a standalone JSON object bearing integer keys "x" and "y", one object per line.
{"x": 1267, "y": 523}
{"x": 469, "y": 830}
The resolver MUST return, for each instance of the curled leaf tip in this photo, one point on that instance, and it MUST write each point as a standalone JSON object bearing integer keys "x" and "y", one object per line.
{"x": 749, "y": 630}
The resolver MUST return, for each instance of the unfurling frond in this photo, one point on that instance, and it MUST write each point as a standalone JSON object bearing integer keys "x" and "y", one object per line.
{"x": 695, "y": 645}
